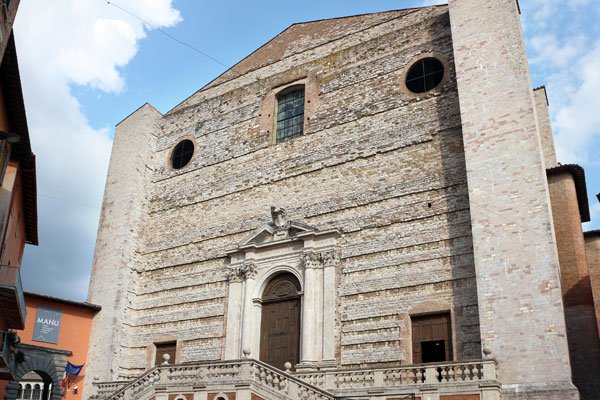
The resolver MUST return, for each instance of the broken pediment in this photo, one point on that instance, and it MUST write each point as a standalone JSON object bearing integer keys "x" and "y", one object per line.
{"x": 280, "y": 228}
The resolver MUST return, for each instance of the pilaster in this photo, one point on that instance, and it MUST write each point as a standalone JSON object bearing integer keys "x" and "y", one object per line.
{"x": 331, "y": 260}
{"x": 234, "y": 316}
{"x": 311, "y": 312}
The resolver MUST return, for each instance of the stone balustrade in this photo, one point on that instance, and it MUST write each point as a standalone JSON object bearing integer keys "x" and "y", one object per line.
{"x": 410, "y": 375}
{"x": 105, "y": 389}
{"x": 267, "y": 382}
{"x": 253, "y": 375}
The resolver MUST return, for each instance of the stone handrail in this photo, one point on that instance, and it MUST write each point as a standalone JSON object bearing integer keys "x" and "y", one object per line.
{"x": 210, "y": 373}
{"x": 314, "y": 385}
{"x": 451, "y": 372}
{"x": 104, "y": 389}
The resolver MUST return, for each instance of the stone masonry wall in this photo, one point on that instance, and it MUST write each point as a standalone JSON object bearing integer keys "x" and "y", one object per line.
{"x": 384, "y": 166}
{"x": 116, "y": 256}
{"x": 545, "y": 127}
{"x": 519, "y": 296}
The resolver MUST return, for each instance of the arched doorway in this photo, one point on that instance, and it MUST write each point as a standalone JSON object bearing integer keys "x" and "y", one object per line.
{"x": 40, "y": 366}
{"x": 280, "y": 321}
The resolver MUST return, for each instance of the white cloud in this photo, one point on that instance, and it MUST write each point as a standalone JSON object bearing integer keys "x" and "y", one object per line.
{"x": 426, "y": 3}
{"x": 61, "y": 44}
{"x": 564, "y": 46}
{"x": 548, "y": 50}
{"x": 577, "y": 123}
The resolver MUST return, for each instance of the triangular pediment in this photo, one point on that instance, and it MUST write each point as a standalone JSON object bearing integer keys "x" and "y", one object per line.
{"x": 271, "y": 233}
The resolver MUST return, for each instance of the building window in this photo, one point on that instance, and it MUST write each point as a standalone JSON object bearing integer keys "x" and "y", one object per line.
{"x": 169, "y": 348}
{"x": 425, "y": 75}
{"x": 432, "y": 338}
{"x": 27, "y": 392}
{"x": 290, "y": 113}
{"x": 37, "y": 392}
{"x": 182, "y": 154}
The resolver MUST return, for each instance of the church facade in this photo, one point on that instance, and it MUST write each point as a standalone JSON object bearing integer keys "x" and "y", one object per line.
{"x": 361, "y": 207}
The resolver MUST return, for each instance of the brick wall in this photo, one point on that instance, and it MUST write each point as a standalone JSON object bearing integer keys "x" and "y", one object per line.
{"x": 518, "y": 284}
{"x": 582, "y": 332}
{"x": 545, "y": 128}
{"x": 592, "y": 250}
{"x": 116, "y": 257}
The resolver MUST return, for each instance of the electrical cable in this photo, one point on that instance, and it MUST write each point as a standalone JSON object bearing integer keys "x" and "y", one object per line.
{"x": 171, "y": 36}
{"x": 69, "y": 201}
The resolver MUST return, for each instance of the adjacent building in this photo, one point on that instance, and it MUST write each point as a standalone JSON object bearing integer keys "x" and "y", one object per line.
{"x": 364, "y": 207}
{"x": 56, "y": 331}
{"x": 18, "y": 204}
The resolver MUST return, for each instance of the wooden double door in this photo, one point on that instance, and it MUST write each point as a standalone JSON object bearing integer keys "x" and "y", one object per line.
{"x": 280, "y": 322}
{"x": 432, "y": 338}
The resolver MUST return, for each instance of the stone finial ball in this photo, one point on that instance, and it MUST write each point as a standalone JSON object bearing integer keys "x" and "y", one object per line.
{"x": 287, "y": 366}
{"x": 246, "y": 351}
{"x": 166, "y": 357}
{"x": 487, "y": 351}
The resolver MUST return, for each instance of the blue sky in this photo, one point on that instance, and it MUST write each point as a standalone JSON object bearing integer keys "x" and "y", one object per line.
{"x": 86, "y": 65}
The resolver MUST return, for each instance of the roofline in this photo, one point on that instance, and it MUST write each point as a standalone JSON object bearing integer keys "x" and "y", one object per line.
{"x": 83, "y": 304}
{"x": 578, "y": 174}
{"x": 17, "y": 119}
{"x": 592, "y": 233}
{"x": 232, "y": 68}
{"x": 369, "y": 13}
{"x": 136, "y": 110}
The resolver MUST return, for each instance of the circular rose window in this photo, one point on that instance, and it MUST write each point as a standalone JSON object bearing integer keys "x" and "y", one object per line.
{"x": 425, "y": 75}
{"x": 182, "y": 154}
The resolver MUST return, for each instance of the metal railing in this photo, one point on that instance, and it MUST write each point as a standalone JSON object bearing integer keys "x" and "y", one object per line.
{"x": 11, "y": 277}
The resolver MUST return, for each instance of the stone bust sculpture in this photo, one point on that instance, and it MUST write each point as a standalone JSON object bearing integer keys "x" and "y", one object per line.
{"x": 279, "y": 217}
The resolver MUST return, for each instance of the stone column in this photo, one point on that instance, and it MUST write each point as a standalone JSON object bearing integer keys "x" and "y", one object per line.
{"x": 516, "y": 264}
{"x": 330, "y": 261}
{"x": 234, "y": 316}
{"x": 311, "y": 313}
{"x": 248, "y": 272}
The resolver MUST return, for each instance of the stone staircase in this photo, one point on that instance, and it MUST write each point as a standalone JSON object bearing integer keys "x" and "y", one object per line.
{"x": 250, "y": 379}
